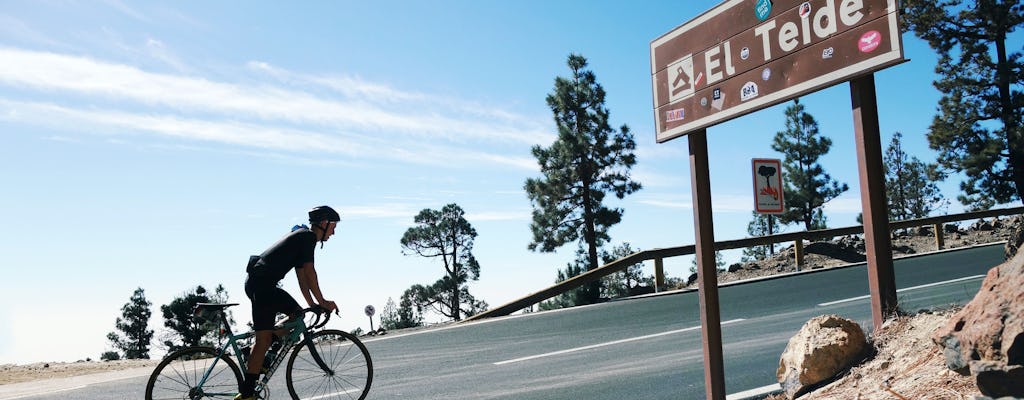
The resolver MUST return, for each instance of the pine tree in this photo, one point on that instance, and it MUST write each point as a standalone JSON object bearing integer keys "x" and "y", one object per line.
{"x": 184, "y": 325}
{"x": 621, "y": 283}
{"x": 910, "y": 183}
{"x": 808, "y": 187}
{"x": 760, "y": 225}
{"x": 135, "y": 336}
{"x": 588, "y": 160}
{"x": 446, "y": 234}
{"x": 582, "y": 295}
{"x": 978, "y": 130}
{"x": 395, "y": 317}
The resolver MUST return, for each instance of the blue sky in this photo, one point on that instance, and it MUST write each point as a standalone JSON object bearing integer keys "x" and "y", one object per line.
{"x": 158, "y": 145}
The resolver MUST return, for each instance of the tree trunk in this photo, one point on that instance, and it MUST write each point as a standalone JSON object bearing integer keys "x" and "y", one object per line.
{"x": 1011, "y": 125}
{"x": 455, "y": 281}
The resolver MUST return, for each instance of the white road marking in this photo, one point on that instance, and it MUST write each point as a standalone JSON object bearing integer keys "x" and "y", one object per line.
{"x": 966, "y": 278}
{"x": 333, "y": 394}
{"x": 754, "y": 392}
{"x": 43, "y": 392}
{"x": 594, "y": 346}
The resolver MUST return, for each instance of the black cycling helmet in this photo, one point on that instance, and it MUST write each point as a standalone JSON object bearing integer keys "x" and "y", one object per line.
{"x": 323, "y": 213}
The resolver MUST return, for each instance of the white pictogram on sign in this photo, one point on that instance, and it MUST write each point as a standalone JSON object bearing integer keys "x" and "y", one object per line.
{"x": 681, "y": 81}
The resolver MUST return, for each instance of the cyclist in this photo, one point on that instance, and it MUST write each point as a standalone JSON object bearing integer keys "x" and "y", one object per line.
{"x": 294, "y": 250}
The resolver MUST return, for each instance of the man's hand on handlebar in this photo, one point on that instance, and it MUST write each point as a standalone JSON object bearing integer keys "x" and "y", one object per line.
{"x": 327, "y": 306}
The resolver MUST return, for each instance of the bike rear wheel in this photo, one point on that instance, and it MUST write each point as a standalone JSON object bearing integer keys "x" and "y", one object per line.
{"x": 349, "y": 374}
{"x": 178, "y": 375}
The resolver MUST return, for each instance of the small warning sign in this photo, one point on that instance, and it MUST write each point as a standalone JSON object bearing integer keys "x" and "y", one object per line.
{"x": 768, "y": 193}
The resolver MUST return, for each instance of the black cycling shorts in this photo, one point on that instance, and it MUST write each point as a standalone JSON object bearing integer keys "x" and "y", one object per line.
{"x": 268, "y": 300}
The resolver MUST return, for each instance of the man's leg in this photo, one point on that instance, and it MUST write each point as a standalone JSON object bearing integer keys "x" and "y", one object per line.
{"x": 252, "y": 370}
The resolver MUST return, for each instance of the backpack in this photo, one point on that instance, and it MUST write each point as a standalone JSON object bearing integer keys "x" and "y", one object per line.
{"x": 252, "y": 264}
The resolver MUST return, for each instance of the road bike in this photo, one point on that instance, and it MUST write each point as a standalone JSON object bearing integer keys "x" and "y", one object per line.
{"x": 322, "y": 363}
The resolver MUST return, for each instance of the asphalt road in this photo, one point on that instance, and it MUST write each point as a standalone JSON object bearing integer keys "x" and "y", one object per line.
{"x": 647, "y": 348}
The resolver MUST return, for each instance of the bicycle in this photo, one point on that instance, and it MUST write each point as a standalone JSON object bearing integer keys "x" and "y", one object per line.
{"x": 323, "y": 363}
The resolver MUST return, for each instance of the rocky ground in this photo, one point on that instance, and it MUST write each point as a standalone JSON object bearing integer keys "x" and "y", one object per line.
{"x": 907, "y": 364}
{"x": 10, "y": 373}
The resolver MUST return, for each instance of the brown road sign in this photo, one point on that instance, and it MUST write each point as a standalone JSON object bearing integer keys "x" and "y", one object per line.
{"x": 727, "y": 62}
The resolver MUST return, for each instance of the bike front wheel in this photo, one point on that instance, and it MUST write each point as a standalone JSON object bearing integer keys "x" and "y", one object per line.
{"x": 179, "y": 374}
{"x": 331, "y": 364}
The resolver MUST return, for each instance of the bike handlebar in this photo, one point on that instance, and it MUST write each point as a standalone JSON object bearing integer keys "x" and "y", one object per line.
{"x": 318, "y": 313}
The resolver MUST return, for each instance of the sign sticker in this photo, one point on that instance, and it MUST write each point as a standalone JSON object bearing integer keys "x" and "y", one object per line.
{"x": 748, "y": 91}
{"x": 805, "y": 9}
{"x": 763, "y": 9}
{"x": 869, "y": 41}
{"x": 717, "y": 99}
{"x": 675, "y": 115}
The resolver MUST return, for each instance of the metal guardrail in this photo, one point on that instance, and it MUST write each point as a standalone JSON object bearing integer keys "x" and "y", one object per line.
{"x": 658, "y": 255}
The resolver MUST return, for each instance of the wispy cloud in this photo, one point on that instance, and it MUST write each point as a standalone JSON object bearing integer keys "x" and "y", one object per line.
{"x": 514, "y": 215}
{"x": 357, "y": 88}
{"x": 157, "y": 50}
{"x": 847, "y": 203}
{"x": 722, "y": 202}
{"x": 366, "y": 121}
{"x": 267, "y": 137}
{"x": 385, "y": 210}
{"x": 126, "y": 10}
{"x": 13, "y": 28}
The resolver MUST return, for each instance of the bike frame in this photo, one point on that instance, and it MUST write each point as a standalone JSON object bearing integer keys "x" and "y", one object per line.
{"x": 296, "y": 328}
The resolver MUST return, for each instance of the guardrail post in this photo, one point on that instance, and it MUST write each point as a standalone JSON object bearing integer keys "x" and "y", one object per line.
{"x": 798, "y": 247}
{"x": 939, "y": 237}
{"x": 659, "y": 274}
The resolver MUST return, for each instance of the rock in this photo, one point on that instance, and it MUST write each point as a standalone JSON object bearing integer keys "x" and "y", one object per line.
{"x": 1015, "y": 240}
{"x": 691, "y": 279}
{"x": 996, "y": 379}
{"x": 989, "y": 329}
{"x": 951, "y": 228}
{"x": 981, "y": 225}
{"x": 924, "y": 231}
{"x": 735, "y": 267}
{"x": 824, "y": 347}
{"x": 903, "y": 249}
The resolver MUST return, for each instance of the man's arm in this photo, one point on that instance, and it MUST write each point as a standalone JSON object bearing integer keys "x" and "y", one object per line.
{"x": 309, "y": 284}
{"x": 304, "y": 285}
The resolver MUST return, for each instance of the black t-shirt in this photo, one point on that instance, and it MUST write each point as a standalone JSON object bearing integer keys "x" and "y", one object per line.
{"x": 293, "y": 251}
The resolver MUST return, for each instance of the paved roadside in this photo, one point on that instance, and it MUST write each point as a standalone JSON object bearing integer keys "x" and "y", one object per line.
{"x": 55, "y": 385}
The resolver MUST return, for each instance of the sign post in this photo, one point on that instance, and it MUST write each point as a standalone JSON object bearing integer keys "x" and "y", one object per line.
{"x": 742, "y": 56}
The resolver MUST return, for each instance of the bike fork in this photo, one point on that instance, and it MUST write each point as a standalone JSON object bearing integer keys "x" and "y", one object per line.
{"x": 319, "y": 360}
